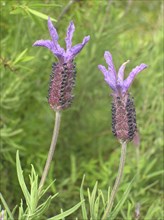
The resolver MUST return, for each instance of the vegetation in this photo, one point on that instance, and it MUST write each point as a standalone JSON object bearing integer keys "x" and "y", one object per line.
{"x": 129, "y": 30}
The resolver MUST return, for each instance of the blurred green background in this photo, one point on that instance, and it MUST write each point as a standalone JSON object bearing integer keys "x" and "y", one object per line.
{"x": 129, "y": 30}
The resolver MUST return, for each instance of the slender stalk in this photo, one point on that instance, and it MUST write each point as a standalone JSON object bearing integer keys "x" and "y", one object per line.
{"x": 117, "y": 182}
{"x": 52, "y": 148}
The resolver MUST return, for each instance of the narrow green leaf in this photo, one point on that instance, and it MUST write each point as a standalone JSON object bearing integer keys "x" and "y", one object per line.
{"x": 129, "y": 216}
{"x": 34, "y": 190}
{"x": 45, "y": 5}
{"x": 150, "y": 186}
{"x": 43, "y": 191}
{"x": 21, "y": 180}
{"x": 14, "y": 210}
{"x": 6, "y": 207}
{"x": 96, "y": 206}
{"x": 149, "y": 166}
{"x": 21, "y": 211}
{"x": 16, "y": 11}
{"x": 121, "y": 202}
{"x": 152, "y": 210}
{"x": 66, "y": 213}
{"x": 42, "y": 208}
{"x": 102, "y": 197}
{"x": 83, "y": 207}
{"x": 62, "y": 212}
{"x": 92, "y": 200}
{"x": 20, "y": 56}
{"x": 73, "y": 168}
{"x": 154, "y": 174}
{"x": 39, "y": 14}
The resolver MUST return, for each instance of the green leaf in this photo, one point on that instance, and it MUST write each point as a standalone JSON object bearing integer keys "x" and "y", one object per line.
{"x": 129, "y": 215}
{"x": 6, "y": 207}
{"x": 62, "y": 212}
{"x": 160, "y": 172}
{"x": 121, "y": 202}
{"x": 83, "y": 207}
{"x": 43, "y": 191}
{"x": 149, "y": 166}
{"x": 102, "y": 198}
{"x": 152, "y": 210}
{"x": 42, "y": 208}
{"x": 14, "y": 210}
{"x": 21, "y": 180}
{"x": 34, "y": 190}
{"x": 92, "y": 200}
{"x": 96, "y": 206}
{"x": 21, "y": 211}
{"x": 45, "y": 5}
{"x": 20, "y": 56}
{"x": 39, "y": 14}
{"x": 66, "y": 213}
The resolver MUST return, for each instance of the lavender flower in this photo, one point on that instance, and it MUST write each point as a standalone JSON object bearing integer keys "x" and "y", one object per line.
{"x": 62, "y": 79}
{"x": 124, "y": 125}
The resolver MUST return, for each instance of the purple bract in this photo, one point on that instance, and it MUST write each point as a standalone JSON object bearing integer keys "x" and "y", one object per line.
{"x": 63, "y": 55}
{"x": 116, "y": 81}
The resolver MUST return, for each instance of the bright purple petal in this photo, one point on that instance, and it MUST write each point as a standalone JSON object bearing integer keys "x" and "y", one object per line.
{"x": 109, "y": 61}
{"x": 132, "y": 75}
{"x": 108, "y": 79}
{"x": 121, "y": 71}
{"x": 77, "y": 48}
{"x": 52, "y": 30}
{"x": 50, "y": 45}
{"x": 54, "y": 36}
{"x": 54, "y": 46}
{"x": 68, "y": 39}
{"x": 44, "y": 43}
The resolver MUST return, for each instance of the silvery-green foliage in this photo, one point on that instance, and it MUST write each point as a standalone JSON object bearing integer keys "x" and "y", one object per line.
{"x": 33, "y": 208}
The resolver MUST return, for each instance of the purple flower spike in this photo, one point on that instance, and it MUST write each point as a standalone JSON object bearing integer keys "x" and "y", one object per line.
{"x": 62, "y": 79}
{"x": 53, "y": 45}
{"x": 124, "y": 125}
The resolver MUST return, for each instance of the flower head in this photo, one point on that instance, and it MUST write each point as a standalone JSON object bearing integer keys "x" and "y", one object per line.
{"x": 124, "y": 125}
{"x": 53, "y": 45}
{"x": 116, "y": 81}
{"x": 62, "y": 79}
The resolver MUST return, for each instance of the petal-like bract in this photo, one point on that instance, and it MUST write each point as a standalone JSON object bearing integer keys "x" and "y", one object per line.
{"x": 77, "y": 48}
{"x": 53, "y": 45}
{"x": 116, "y": 81}
{"x": 134, "y": 72}
{"x": 44, "y": 43}
{"x": 109, "y": 61}
{"x": 107, "y": 78}
{"x": 68, "y": 39}
{"x": 121, "y": 71}
{"x": 52, "y": 30}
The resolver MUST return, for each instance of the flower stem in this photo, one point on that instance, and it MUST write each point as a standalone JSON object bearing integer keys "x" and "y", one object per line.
{"x": 117, "y": 182}
{"x": 52, "y": 148}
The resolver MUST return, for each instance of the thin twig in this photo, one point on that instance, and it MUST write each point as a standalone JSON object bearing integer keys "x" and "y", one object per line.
{"x": 52, "y": 148}
{"x": 66, "y": 8}
{"x": 117, "y": 182}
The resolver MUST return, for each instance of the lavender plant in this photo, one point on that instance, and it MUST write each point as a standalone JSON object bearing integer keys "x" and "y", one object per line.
{"x": 62, "y": 79}
{"x": 34, "y": 209}
{"x": 124, "y": 125}
{"x": 21, "y": 101}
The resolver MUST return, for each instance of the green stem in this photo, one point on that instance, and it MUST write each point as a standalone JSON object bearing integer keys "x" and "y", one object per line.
{"x": 52, "y": 148}
{"x": 117, "y": 182}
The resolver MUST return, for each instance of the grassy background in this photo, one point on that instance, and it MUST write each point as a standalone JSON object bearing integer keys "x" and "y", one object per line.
{"x": 129, "y": 30}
